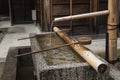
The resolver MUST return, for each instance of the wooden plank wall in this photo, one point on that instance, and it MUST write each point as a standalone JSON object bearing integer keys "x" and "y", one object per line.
{"x": 62, "y": 8}
{"x": 47, "y": 10}
{"x": 44, "y": 14}
{"x": 39, "y": 11}
{"x": 4, "y": 8}
{"x": 22, "y": 11}
{"x": 102, "y": 20}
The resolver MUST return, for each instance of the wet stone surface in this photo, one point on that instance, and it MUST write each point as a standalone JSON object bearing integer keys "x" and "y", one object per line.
{"x": 62, "y": 63}
{"x": 61, "y": 55}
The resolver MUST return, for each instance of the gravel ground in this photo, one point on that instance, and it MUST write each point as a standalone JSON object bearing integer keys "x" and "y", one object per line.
{"x": 2, "y": 34}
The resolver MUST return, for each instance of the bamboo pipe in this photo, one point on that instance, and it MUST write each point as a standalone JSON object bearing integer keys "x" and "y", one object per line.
{"x": 96, "y": 63}
{"x": 113, "y": 21}
{"x": 80, "y": 16}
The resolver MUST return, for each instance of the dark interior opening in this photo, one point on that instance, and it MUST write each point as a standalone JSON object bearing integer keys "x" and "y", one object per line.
{"x": 21, "y": 11}
{"x": 25, "y": 69}
{"x": 4, "y": 8}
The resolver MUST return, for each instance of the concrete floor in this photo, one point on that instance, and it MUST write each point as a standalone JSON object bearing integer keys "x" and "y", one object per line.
{"x": 11, "y": 38}
{"x": 98, "y": 45}
{"x": 5, "y": 24}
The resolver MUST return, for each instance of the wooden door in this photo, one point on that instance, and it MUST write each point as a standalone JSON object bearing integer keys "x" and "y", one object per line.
{"x": 4, "y": 8}
{"x": 22, "y": 11}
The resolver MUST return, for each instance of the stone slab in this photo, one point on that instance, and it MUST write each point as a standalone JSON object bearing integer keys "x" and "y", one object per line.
{"x": 67, "y": 71}
{"x": 11, "y": 38}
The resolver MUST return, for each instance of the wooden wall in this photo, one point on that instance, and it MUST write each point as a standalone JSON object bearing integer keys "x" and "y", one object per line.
{"x": 102, "y": 20}
{"x": 62, "y": 8}
{"x": 21, "y": 11}
{"x": 4, "y": 8}
{"x": 47, "y": 10}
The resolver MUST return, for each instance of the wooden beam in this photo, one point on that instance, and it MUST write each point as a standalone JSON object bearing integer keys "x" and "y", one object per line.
{"x": 85, "y": 53}
{"x": 71, "y": 12}
{"x": 113, "y": 21}
{"x": 11, "y": 11}
{"x": 81, "y": 16}
{"x": 96, "y": 5}
{"x": 91, "y": 19}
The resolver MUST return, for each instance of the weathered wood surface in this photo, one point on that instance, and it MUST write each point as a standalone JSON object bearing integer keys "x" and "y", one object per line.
{"x": 96, "y": 7}
{"x": 21, "y": 11}
{"x": 62, "y": 8}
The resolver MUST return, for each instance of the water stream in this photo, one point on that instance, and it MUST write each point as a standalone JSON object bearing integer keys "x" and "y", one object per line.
{"x": 51, "y": 29}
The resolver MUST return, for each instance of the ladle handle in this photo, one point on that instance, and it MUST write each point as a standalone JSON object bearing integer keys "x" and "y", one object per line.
{"x": 56, "y": 47}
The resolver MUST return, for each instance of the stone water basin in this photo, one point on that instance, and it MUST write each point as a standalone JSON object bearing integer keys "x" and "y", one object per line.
{"x": 62, "y": 63}
{"x": 63, "y": 55}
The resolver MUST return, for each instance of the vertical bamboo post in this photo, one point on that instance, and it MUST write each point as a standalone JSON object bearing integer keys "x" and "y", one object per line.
{"x": 112, "y": 28}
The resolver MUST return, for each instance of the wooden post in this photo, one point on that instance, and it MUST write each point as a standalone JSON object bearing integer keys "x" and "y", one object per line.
{"x": 71, "y": 12}
{"x": 112, "y": 28}
{"x": 10, "y": 11}
{"x": 96, "y": 5}
{"x": 85, "y": 53}
{"x": 91, "y": 19}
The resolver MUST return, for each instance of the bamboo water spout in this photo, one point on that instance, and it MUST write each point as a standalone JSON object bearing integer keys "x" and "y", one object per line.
{"x": 96, "y": 63}
{"x": 81, "y": 16}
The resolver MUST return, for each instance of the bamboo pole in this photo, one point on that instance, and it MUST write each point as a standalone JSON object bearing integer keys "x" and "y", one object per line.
{"x": 96, "y": 63}
{"x": 112, "y": 28}
{"x": 80, "y": 16}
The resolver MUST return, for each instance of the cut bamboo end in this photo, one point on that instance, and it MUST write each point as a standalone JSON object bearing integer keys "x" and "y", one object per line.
{"x": 85, "y": 53}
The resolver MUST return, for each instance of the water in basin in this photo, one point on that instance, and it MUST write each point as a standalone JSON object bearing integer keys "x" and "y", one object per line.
{"x": 63, "y": 55}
